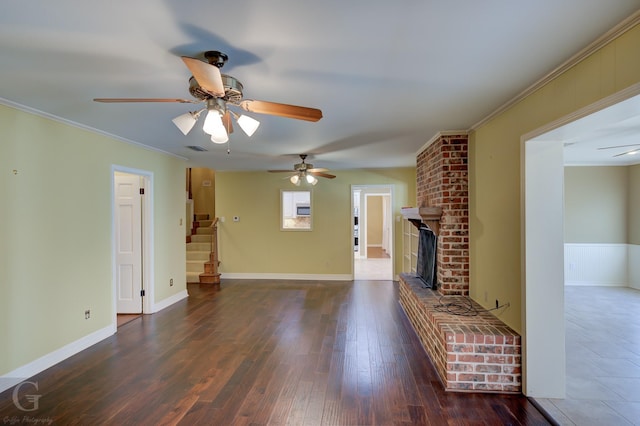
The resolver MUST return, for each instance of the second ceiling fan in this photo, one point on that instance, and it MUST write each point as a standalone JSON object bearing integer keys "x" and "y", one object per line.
{"x": 217, "y": 91}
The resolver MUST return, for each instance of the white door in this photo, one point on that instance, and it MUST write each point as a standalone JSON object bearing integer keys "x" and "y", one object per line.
{"x": 128, "y": 236}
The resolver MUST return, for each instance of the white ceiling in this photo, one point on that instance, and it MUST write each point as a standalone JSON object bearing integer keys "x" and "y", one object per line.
{"x": 387, "y": 75}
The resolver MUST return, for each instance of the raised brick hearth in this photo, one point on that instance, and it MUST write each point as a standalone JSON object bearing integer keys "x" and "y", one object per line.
{"x": 471, "y": 353}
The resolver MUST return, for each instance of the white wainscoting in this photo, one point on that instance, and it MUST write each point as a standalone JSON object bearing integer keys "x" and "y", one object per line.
{"x": 597, "y": 264}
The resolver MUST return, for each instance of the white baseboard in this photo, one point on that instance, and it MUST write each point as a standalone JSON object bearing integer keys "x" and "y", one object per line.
{"x": 169, "y": 301}
{"x": 34, "y": 367}
{"x": 302, "y": 277}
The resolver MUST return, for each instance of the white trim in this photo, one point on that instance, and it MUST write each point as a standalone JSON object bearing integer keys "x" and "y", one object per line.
{"x": 34, "y": 367}
{"x": 603, "y": 40}
{"x": 148, "y": 266}
{"x": 157, "y": 307}
{"x": 278, "y": 276}
{"x": 29, "y": 110}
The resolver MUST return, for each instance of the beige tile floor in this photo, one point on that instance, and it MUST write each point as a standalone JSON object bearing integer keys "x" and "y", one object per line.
{"x": 603, "y": 358}
{"x": 373, "y": 269}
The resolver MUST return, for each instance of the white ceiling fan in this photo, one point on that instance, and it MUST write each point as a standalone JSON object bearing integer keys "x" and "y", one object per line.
{"x": 217, "y": 92}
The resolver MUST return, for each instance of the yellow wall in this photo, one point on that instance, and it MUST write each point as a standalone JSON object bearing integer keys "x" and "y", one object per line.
{"x": 203, "y": 196}
{"x": 374, "y": 220}
{"x": 255, "y": 244}
{"x": 495, "y": 172}
{"x": 55, "y": 228}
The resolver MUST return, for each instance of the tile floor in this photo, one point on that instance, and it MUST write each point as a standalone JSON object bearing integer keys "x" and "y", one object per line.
{"x": 603, "y": 358}
{"x": 372, "y": 269}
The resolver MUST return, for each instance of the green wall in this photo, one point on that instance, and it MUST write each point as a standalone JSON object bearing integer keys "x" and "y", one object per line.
{"x": 256, "y": 245}
{"x": 495, "y": 165}
{"x": 595, "y": 205}
{"x": 56, "y": 232}
{"x": 633, "y": 198}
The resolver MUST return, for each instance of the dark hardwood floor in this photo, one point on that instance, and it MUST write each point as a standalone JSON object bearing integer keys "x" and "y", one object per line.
{"x": 264, "y": 352}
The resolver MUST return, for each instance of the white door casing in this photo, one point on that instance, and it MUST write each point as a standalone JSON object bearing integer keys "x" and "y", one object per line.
{"x": 128, "y": 243}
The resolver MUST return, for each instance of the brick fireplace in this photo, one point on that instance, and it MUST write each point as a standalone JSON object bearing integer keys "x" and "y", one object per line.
{"x": 470, "y": 352}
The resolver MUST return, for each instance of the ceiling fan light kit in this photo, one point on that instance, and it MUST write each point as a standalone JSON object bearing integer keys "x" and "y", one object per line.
{"x": 305, "y": 172}
{"x": 218, "y": 91}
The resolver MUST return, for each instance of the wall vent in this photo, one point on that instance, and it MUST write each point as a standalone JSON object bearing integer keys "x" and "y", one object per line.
{"x": 196, "y": 148}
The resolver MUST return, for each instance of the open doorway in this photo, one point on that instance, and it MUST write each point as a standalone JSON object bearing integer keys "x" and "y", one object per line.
{"x": 543, "y": 237}
{"x": 132, "y": 212}
{"x": 372, "y": 221}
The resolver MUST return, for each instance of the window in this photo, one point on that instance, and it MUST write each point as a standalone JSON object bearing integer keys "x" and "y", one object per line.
{"x": 295, "y": 208}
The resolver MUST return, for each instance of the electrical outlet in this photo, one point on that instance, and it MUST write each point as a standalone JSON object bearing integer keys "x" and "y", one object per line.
{"x": 171, "y": 282}
{"x": 87, "y": 314}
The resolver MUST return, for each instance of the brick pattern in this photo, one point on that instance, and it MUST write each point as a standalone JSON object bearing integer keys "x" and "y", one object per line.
{"x": 442, "y": 181}
{"x": 470, "y": 353}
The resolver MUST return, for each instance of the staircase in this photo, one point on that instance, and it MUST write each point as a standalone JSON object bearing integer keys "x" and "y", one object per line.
{"x": 202, "y": 256}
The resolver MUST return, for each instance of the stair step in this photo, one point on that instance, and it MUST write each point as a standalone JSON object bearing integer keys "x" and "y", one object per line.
{"x": 204, "y": 223}
{"x": 204, "y": 231}
{"x": 198, "y": 246}
{"x": 193, "y": 277}
{"x": 201, "y": 216}
{"x": 202, "y": 238}
{"x": 198, "y": 256}
{"x": 195, "y": 266}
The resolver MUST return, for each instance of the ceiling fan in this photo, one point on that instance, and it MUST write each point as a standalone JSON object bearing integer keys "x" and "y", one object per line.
{"x": 305, "y": 171}
{"x": 630, "y": 152}
{"x": 218, "y": 91}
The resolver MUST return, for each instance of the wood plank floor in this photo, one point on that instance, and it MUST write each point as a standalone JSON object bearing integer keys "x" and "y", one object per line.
{"x": 264, "y": 352}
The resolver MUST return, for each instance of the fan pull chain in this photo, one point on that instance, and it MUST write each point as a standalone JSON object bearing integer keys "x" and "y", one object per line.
{"x": 228, "y": 147}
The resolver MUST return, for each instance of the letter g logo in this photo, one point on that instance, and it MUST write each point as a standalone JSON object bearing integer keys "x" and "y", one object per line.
{"x": 31, "y": 398}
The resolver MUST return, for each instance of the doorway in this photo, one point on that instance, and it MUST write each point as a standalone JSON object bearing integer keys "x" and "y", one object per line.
{"x": 372, "y": 230}
{"x": 543, "y": 246}
{"x": 132, "y": 212}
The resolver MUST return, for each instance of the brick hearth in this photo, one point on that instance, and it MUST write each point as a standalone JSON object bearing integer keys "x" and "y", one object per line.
{"x": 471, "y": 353}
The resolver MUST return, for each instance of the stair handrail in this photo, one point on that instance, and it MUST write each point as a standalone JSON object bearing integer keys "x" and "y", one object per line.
{"x": 214, "y": 244}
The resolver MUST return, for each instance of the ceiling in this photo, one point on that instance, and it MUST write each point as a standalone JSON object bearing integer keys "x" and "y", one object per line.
{"x": 387, "y": 75}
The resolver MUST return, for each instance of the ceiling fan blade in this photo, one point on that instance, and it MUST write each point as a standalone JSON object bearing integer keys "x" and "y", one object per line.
{"x": 324, "y": 175}
{"x": 633, "y": 151}
{"x": 226, "y": 120}
{"x": 207, "y": 75}
{"x": 282, "y": 110}
{"x": 281, "y": 171}
{"x": 110, "y": 100}
{"x": 317, "y": 170}
{"x": 620, "y": 146}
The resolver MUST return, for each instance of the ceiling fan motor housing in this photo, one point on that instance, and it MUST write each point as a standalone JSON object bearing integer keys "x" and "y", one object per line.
{"x": 232, "y": 89}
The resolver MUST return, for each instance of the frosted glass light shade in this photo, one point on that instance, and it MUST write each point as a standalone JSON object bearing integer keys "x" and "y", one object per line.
{"x": 295, "y": 179}
{"x": 248, "y": 125}
{"x": 185, "y": 122}
{"x": 312, "y": 179}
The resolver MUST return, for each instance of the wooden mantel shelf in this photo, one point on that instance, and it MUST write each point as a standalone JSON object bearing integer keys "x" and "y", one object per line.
{"x": 429, "y": 215}
{"x": 422, "y": 213}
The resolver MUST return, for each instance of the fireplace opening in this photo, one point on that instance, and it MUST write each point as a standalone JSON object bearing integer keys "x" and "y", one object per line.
{"x": 426, "y": 257}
